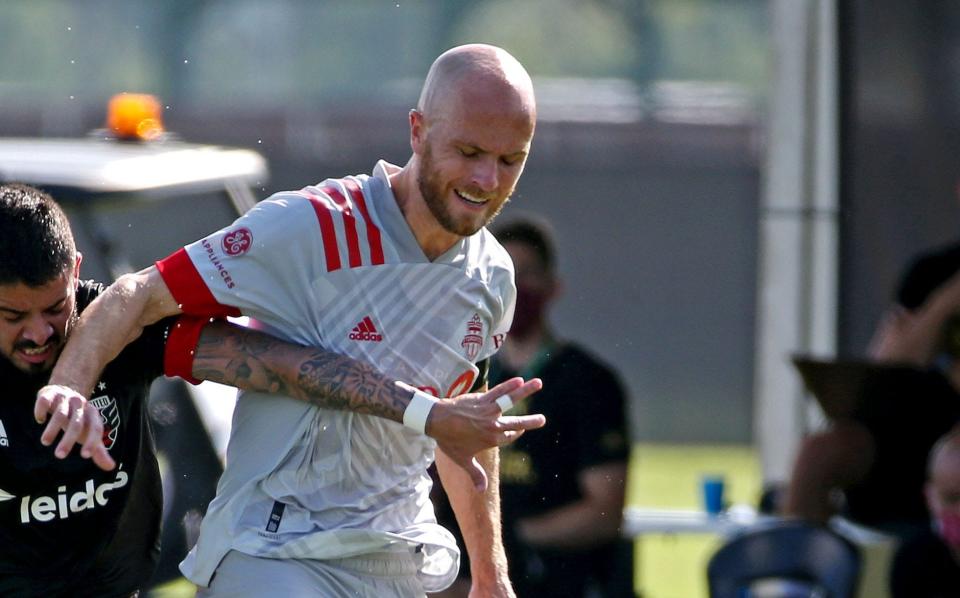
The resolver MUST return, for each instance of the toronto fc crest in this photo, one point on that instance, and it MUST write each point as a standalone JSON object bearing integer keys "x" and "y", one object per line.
{"x": 473, "y": 340}
{"x": 110, "y": 414}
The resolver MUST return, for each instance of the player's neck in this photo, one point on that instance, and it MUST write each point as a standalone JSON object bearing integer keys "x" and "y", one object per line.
{"x": 433, "y": 239}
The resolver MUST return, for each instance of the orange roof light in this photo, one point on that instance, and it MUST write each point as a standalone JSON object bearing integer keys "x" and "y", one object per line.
{"x": 134, "y": 116}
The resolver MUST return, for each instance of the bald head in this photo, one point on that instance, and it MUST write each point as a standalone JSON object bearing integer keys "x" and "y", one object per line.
{"x": 945, "y": 454}
{"x": 942, "y": 489}
{"x": 471, "y": 135}
{"x": 472, "y": 72}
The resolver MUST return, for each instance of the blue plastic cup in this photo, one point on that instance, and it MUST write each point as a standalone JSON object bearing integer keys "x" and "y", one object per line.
{"x": 712, "y": 486}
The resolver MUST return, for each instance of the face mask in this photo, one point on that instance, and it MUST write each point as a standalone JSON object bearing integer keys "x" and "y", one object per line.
{"x": 948, "y": 527}
{"x": 529, "y": 312}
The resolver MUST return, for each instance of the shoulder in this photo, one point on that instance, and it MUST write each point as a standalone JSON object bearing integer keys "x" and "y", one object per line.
{"x": 289, "y": 213}
{"x": 336, "y": 194}
{"x": 583, "y": 365}
{"x": 572, "y": 353}
{"x": 87, "y": 291}
{"x": 487, "y": 259}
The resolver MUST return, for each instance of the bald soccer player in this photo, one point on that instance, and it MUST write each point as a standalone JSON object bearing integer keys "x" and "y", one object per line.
{"x": 394, "y": 268}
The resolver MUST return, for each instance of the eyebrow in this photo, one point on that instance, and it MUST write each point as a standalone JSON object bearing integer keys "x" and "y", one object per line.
{"x": 18, "y": 312}
{"x": 471, "y": 145}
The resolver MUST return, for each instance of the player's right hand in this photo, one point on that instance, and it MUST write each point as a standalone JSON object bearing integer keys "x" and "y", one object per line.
{"x": 70, "y": 412}
{"x": 467, "y": 424}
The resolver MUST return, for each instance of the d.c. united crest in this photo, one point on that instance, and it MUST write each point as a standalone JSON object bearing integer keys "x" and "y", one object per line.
{"x": 473, "y": 340}
{"x": 110, "y": 413}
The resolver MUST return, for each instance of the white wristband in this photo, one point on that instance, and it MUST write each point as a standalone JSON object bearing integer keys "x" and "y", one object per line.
{"x": 415, "y": 415}
{"x": 505, "y": 402}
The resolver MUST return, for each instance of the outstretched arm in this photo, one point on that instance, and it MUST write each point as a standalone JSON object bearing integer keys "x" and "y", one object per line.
{"x": 914, "y": 336}
{"x": 253, "y": 360}
{"x": 109, "y": 323}
{"x": 462, "y": 426}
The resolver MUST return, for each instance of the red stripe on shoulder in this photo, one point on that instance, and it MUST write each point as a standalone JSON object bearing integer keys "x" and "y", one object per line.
{"x": 327, "y": 232}
{"x": 188, "y": 288}
{"x": 349, "y": 225}
{"x": 373, "y": 233}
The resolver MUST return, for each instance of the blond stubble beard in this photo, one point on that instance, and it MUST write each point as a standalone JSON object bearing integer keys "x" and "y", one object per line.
{"x": 433, "y": 197}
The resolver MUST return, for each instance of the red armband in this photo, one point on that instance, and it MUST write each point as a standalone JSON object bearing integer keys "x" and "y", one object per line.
{"x": 181, "y": 347}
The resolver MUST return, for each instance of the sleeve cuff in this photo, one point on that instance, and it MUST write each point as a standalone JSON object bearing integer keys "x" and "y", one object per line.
{"x": 181, "y": 347}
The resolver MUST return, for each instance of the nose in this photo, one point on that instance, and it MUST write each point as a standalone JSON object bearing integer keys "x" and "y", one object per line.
{"x": 486, "y": 174}
{"x": 38, "y": 330}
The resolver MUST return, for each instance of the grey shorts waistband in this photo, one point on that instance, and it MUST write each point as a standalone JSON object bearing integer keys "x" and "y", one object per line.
{"x": 382, "y": 564}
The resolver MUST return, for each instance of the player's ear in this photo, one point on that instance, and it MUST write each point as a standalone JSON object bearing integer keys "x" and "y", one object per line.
{"x": 76, "y": 267}
{"x": 418, "y": 130}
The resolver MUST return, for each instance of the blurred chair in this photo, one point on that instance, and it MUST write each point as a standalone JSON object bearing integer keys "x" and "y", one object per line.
{"x": 785, "y": 558}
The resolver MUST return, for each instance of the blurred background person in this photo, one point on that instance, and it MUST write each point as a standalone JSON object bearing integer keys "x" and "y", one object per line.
{"x": 563, "y": 492}
{"x": 928, "y": 565}
{"x": 873, "y": 468}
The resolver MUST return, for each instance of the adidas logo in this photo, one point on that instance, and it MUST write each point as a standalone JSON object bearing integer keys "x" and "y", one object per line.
{"x": 365, "y": 331}
{"x": 3, "y": 436}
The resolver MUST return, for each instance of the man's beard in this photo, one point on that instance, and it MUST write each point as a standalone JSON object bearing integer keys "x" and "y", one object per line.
{"x": 432, "y": 194}
{"x": 37, "y": 370}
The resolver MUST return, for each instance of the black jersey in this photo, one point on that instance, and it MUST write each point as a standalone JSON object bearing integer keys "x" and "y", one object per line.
{"x": 68, "y": 528}
{"x": 584, "y": 403}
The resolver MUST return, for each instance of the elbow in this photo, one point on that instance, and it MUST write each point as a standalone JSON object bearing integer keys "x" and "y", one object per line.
{"x": 142, "y": 295}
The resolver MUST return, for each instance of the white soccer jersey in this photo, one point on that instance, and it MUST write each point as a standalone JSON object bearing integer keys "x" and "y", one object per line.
{"x": 336, "y": 265}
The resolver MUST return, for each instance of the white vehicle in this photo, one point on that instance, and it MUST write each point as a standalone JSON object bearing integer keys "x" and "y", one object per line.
{"x": 134, "y": 193}
{"x": 132, "y": 190}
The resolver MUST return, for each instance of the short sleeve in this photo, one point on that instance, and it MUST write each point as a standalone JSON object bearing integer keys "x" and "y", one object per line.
{"x": 181, "y": 347}
{"x": 239, "y": 269}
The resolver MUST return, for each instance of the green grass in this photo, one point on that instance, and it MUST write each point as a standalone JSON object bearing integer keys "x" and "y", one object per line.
{"x": 668, "y": 476}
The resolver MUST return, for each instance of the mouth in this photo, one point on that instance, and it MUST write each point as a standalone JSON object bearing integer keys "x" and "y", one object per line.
{"x": 36, "y": 354}
{"x": 471, "y": 200}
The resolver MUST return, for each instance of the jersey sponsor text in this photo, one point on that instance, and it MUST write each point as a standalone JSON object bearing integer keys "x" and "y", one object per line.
{"x": 48, "y": 508}
{"x": 221, "y": 269}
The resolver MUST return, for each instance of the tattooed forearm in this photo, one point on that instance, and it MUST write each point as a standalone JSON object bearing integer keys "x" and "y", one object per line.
{"x": 252, "y": 360}
{"x": 339, "y": 382}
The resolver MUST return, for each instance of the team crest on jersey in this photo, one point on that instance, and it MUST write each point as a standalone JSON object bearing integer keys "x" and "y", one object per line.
{"x": 237, "y": 241}
{"x": 110, "y": 414}
{"x": 473, "y": 340}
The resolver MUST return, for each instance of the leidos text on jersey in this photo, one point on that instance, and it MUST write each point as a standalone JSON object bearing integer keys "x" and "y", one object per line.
{"x": 48, "y": 508}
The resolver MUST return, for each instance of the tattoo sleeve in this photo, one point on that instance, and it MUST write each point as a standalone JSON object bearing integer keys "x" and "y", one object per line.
{"x": 252, "y": 360}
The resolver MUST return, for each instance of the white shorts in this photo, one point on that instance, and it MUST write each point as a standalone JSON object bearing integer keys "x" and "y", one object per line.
{"x": 376, "y": 575}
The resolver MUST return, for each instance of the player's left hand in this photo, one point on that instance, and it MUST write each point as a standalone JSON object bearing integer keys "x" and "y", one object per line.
{"x": 70, "y": 412}
{"x": 465, "y": 425}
